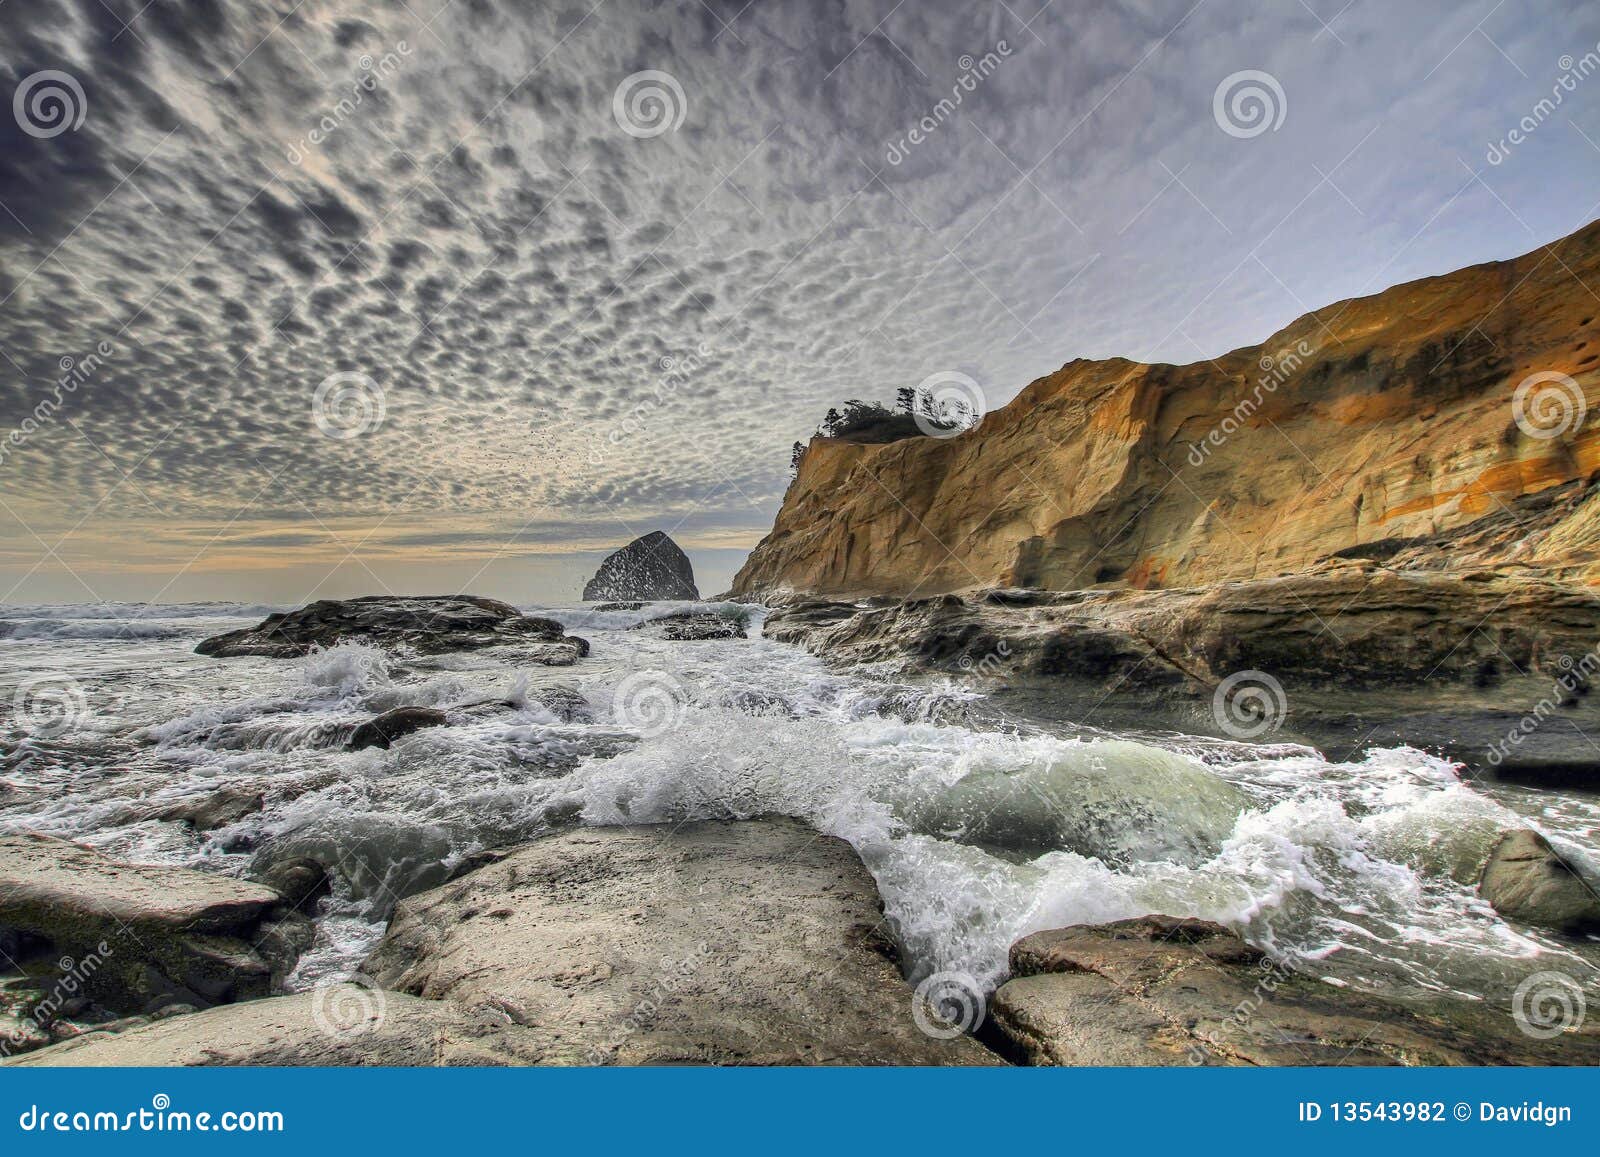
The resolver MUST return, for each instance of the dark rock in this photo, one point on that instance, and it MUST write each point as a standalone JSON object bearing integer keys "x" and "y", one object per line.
{"x": 137, "y": 933}
{"x": 683, "y": 628}
{"x": 216, "y": 810}
{"x": 651, "y": 567}
{"x": 1164, "y": 991}
{"x": 384, "y": 729}
{"x": 565, "y": 703}
{"x": 300, "y": 880}
{"x": 620, "y": 607}
{"x": 427, "y": 623}
{"x": 1527, "y": 880}
{"x": 1347, "y": 657}
{"x": 281, "y": 941}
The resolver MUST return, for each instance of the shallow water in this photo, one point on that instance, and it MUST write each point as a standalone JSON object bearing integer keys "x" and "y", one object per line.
{"x": 978, "y": 827}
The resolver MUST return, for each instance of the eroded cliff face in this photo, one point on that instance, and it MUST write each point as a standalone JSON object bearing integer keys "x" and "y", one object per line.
{"x": 1361, "y": 426}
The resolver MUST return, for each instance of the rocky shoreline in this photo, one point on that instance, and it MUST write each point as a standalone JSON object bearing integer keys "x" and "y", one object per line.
{"x": 1489, "y": 669}
{"x": 749, "y": 942}
{"x": 761, "y": 940}
{"x": 720, "y": 942}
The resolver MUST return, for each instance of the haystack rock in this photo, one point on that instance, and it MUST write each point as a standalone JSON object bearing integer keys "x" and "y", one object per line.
{"x": 651, "y": 567}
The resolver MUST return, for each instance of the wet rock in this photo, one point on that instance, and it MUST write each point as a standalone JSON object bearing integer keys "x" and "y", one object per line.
{"x": 620, "y": 607}
{"x": 301, "y": 881}
{"x": 429, "y": 624}
{"x": 565, "y": 703}
{"x": 1343, "y": 658}
{"x": 340, "y": 1024}
{"x": 216, "y": 810}
{"x": 128, "y": 935}
{"x": 281, "y": 941}
{"x": 650, "y": 567}
{"x": 1527, "y": 880}
{"x": 1165, "y": 991}
{"x": 756, "y": 942}
{"x": 682, "y": 628}
{"x": 384, "y": 729}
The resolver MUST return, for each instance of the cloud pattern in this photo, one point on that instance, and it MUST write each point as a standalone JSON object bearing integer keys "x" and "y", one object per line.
{"x": 582, "y": 332}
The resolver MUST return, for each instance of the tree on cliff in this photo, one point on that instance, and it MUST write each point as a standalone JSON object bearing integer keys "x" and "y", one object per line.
{"x": 860, "y": 421}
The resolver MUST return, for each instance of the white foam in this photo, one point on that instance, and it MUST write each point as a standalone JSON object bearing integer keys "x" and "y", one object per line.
{"x": 1364, "y": 868}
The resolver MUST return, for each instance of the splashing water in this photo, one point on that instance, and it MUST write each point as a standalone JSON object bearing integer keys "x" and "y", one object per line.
{"x": 977, "y": 828}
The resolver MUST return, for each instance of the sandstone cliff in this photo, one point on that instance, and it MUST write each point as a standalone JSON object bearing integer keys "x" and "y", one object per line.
{"x": 1373, "y": 426}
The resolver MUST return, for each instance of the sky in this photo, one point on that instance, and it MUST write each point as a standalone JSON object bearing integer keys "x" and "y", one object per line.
{"x": 315, "y": 299}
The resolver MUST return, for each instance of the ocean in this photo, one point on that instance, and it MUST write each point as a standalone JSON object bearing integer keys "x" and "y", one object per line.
{"x": 979, "y": 826}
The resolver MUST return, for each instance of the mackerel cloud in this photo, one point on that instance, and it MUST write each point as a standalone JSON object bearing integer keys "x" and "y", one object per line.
{"x": 585, "y": 304}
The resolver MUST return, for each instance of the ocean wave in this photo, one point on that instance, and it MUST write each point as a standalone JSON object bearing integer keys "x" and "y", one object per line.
{"x": 106, "y": 630}
{"x": 978, "y": 829}
{"x": 139, "y": 611}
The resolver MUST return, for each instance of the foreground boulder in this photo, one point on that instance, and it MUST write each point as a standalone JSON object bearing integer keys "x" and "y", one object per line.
{"x": 339, "y": 1024}
{"x": 429, "y": 624}
{"x": 1527, "y": 880}
{"x": 1164, "y": 991}
{"x": 757, "y": 942}
{"x": 140, "y": 936}
{"x": 754, "y": 942}
{"x": 1492, "y": 668}
{"x": 650, "y": 567}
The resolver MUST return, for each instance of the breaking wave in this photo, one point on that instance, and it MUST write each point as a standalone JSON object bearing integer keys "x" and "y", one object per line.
{"x": 978, "y": 829}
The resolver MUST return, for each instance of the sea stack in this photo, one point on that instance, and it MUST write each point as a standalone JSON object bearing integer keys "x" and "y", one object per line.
{"x": 650, "y": 567}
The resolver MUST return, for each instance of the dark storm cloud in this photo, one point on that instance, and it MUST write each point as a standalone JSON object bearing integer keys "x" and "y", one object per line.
{"x": 572, "y": 329}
